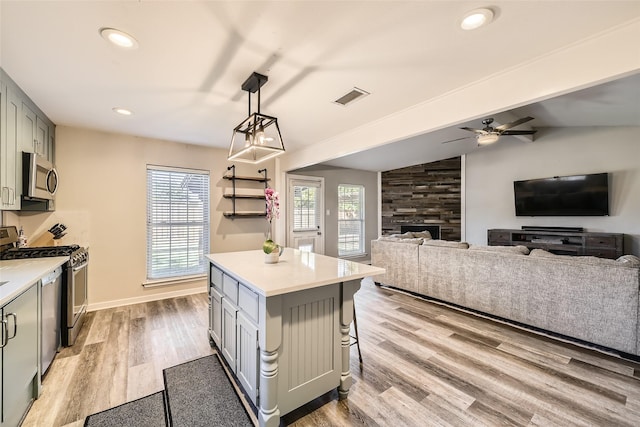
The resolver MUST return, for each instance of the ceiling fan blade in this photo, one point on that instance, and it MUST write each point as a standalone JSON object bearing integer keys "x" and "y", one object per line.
{"x": 481, "y": 131}
{"x": 519, "y": 132}
{"x": 513, "y": 124}
{"x": 457, "y": 139}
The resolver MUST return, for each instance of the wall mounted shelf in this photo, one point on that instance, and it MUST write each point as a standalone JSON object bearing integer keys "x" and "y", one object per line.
{"x": 245, "y": 193}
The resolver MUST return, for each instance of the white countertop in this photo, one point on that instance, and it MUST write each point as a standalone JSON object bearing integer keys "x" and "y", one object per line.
{"x": 296, "y": 270}
{"x": 22, "y": 273}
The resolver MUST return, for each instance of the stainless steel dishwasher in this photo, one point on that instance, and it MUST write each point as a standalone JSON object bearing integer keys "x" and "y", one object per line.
{"x": 51, "y": 317}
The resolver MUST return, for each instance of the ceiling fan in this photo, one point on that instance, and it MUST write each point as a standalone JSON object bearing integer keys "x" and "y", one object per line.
{"x": 489, "y": 134}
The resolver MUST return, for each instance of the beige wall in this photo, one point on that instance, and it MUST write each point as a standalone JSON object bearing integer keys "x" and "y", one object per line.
{"x": 490, "y": 173}
{"x": 102, "y": 199}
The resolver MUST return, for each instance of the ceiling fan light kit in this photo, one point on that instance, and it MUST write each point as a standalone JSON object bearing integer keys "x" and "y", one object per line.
{"x": 487, "y": 139}
{"x": 489, "y": 134}
{"x": 258, "y": 137}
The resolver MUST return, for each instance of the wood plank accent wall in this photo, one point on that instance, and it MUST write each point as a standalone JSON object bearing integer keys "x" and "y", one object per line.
{"x": 423, "y": 194}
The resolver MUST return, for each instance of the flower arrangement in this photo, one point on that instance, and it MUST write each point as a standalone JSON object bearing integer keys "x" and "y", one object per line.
{"x": 273, "y": 204}
{"x": 272, "y": 201}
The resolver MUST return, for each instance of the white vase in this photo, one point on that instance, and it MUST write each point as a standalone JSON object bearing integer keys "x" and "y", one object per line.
{"x": 272, "y": 258}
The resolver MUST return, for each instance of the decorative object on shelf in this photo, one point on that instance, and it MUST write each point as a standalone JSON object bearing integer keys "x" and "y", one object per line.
{"x": 271, "y": 249}
{"x": 246, "y": 193}
{"x": 258, "y": 137}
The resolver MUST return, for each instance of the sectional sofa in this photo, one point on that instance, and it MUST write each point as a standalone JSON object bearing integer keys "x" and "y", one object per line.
{"x": 590, "y": 299}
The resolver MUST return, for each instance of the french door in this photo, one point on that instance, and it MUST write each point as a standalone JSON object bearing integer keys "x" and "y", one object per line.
{"x": 305, "y": 213}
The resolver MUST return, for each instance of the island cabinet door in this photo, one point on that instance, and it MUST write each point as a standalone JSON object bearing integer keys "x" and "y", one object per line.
{"x": 247, "y": 356}
{"x": 228, "y": 338}
{"x": 215, "y": 316}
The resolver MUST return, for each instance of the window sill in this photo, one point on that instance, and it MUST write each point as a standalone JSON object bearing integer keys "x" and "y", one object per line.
{"x": 172, "y": 280}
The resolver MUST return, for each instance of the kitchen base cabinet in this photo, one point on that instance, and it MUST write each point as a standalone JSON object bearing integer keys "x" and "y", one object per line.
{"x": 215, "y": 319}
{"x": 19, "y": 356}
{"x": 228, "y": 338}
{"x": 247, "y": 355}
{"x": 233, "y": 328}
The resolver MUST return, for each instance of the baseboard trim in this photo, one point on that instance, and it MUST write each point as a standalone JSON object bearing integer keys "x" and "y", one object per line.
{"x": 145, "y": 298}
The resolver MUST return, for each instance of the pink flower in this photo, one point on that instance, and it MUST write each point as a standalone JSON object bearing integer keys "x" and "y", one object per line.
{"x": 272, "y": 204}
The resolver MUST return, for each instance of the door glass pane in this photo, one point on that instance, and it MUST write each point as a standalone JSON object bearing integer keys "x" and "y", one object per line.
{"x": 305, "y": 208}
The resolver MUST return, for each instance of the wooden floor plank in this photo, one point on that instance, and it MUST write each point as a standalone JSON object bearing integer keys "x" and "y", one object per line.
{"x": 424, "y": 364}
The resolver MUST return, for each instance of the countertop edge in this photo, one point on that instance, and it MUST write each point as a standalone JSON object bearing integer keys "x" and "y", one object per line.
{"x": 10, "y": 291}
{"x": 375, "y": 271}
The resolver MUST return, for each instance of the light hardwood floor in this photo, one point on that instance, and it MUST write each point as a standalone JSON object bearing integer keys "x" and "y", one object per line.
{"x": 424, "y": 365}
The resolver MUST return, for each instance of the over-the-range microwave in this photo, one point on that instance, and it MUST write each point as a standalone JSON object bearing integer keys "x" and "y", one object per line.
{"x": 39, "y": 178}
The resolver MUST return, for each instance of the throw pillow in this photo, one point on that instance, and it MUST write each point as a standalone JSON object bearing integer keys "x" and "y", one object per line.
{"x": 518, "y": 250}
{"x": 629, "y": 260}
{"x": 424, "y": 234}
{"x": 399, "y": 240}
{"x": 446, "y": 244}
{"x": 542, "y": 254}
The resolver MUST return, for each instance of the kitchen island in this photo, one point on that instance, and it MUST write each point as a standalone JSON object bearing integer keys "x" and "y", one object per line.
{"x": 283, "y": 328}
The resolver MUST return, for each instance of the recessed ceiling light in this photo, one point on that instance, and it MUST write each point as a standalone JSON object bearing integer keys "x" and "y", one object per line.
{"x": 476, "y": 19}
{"x": 119, "y": 38}
{"x": 122, "y": 111}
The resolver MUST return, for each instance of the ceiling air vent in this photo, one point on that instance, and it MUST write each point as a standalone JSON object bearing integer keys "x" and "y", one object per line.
{"x": 351, "y": 97}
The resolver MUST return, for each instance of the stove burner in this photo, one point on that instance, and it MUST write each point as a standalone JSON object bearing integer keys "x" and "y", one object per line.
{"x": 40, "y": 252}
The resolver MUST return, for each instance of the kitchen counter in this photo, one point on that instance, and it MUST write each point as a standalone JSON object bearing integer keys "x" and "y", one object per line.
{"x": 19, "y": 274}
{"x": 296, "y": 271}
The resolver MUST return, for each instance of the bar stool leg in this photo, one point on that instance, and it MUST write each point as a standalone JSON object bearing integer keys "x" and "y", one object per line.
{"x": 357, "y": 339}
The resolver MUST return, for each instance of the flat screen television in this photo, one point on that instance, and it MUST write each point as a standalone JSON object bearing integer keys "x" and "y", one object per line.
{"x": 576, "y": 195}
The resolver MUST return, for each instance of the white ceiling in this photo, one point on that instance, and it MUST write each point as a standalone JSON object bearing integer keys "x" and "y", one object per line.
{"x": 183, "y": 83}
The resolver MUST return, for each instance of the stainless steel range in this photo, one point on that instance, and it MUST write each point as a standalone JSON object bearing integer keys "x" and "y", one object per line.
{"x": 74, "y": 280}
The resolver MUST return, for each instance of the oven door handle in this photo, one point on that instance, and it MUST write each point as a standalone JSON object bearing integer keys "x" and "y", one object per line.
{"x": 81, "y": 266}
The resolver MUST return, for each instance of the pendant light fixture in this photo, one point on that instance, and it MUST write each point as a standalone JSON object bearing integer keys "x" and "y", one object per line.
{"x": 258, "y": 137}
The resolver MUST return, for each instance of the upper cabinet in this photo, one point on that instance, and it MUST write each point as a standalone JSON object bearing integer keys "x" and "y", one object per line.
{"x": 23, "y": 127}
{"x": 9, "y": 130}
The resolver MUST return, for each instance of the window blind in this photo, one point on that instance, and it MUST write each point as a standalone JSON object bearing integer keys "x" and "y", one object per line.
{"x": 350, "y": 220}
{"x": 177, "y": 222}
{"x": 306, "y": 209}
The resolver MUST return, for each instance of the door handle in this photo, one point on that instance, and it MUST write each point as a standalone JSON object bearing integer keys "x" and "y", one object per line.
{"x": 15, "y": 326}
{"x": 319, "y": 233}
{"x": 5, "y": 333}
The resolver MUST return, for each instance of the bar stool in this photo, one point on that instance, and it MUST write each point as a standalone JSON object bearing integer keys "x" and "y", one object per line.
{"x": 355, "y": 338}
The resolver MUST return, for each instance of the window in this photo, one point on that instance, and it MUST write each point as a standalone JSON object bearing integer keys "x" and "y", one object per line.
{"x": 350, "y": 220}
{"x": 177, "y": 222}
{"x": 306, "y": 210}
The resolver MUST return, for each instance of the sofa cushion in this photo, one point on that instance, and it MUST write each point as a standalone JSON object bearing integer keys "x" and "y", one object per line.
{"x": 518, "y": 250}
{"x": 629, "y": 261}
{"x": 446, "y": 243}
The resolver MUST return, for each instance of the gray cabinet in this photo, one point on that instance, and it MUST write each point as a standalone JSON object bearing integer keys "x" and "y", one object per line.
{"x": 247, "y": 355}
{"x": 233, "y": 327}
{"x": 23, "y": 127}
{"x": 215, "y": 316}
{"x": 35, "y": 131}
{"x": 228, "y": 339}
{"x": 9, "y": 151}
{"x": 19, "y": 356}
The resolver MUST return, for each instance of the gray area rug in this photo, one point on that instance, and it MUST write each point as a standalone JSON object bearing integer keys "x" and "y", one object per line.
{"x": 145, "y": 412}
{"x": 199, "y": 393}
